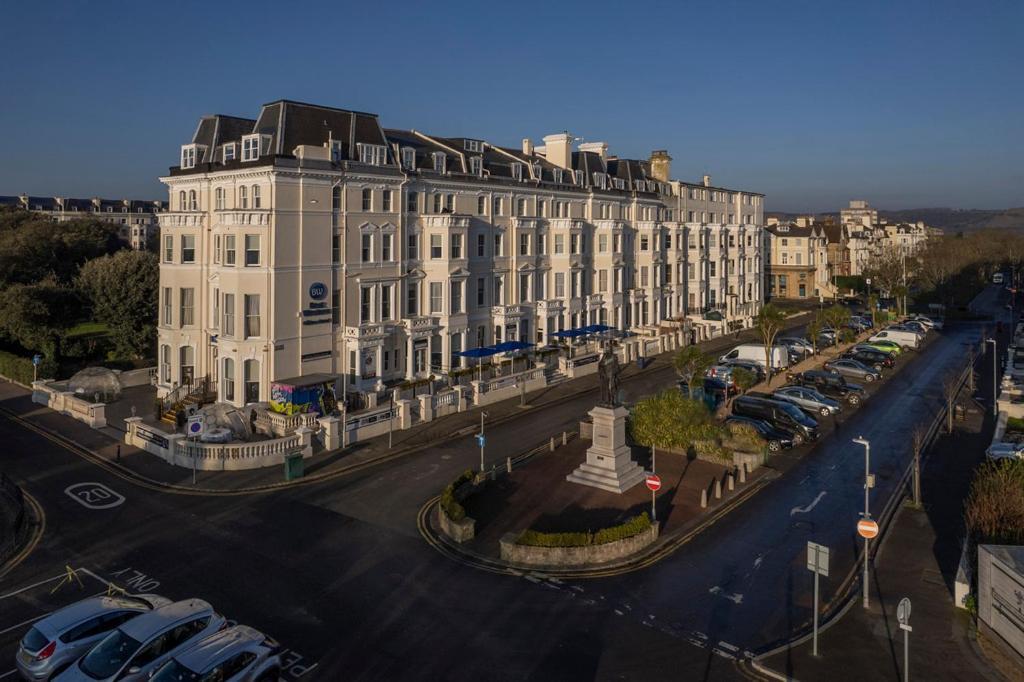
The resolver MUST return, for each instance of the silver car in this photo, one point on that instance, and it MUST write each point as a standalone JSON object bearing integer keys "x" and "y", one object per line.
{"x": 137, "y": 648}
{"x": 238, "y": 654}
{"x": 854, "y": 369}
{"x": 809, "y": 400}
{"x": 60, "y": 639}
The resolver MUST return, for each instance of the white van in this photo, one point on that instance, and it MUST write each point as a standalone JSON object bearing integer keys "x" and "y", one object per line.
{"x": 755, "y": 353}
{"x": 906, "y": 339}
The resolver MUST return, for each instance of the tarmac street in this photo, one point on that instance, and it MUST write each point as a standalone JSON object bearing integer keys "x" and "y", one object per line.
{"x": 339, "y": 574}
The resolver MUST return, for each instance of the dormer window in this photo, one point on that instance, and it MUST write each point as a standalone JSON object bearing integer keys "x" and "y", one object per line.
{"x": 476, "y": 165}
{"x": 253, "y": 145}
{"x": 578, "y": 177}
{"x": 372, "y": 154}
{"x": 517, "y": 171}
{"x": 440, "y": 161}
{"x": 472, "y": 145}
{"x": 600, "y": 180}
{"x": 409, "y": 158}
{"x": 556, "y": 175}
{"x": 336, "y": 156}
{"x": 537, "y": 171}
{"x": 188, "y": 155}
{"x": 230, "y": 152}
{"x": 620, "y": 183}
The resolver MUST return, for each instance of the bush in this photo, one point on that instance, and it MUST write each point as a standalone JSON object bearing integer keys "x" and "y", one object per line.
{"x": 744, "y": 438}
{"x": 994, "y": 511}
{"x": 1015, "y": 424}
{"x": 712, "y": 451}
{"x": 18, "y": 368}
{"x": 450, "y": 505}
{"x": 631, "y": 527}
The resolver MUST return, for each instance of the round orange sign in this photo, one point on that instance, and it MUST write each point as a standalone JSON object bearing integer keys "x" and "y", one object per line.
{"x": 867, "y": 528}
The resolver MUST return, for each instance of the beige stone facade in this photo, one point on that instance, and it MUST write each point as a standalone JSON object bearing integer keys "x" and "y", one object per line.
{"x": 136, "y": 220}
{"x": 311, "y": 240}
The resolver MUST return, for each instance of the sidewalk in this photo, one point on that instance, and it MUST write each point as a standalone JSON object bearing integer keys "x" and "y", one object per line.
{"x": 105, "y": 443}
{"x": 918, "y": 560}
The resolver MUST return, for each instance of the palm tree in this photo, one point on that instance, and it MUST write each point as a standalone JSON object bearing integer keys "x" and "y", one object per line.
{"x": 769, "y": 323}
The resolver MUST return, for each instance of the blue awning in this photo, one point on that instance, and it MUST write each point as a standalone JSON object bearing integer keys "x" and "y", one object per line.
{"x": 482, "y": 352}
{"x": 569, "y": 334}
{"x": 511, "y": 346}
{"x": 595, "y": 328}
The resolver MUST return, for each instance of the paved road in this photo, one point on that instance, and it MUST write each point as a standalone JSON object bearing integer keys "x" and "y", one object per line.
{"x": 340, "y": 575}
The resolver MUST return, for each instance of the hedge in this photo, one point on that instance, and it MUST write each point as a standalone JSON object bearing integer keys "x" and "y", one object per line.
{"x": 634, "y": 526}
{"x": 451, "y": 506}
{"x": 18, "y": 368}
{"x": 1014, "y": 424}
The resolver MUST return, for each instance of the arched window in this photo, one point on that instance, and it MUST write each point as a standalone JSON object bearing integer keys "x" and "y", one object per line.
{"x": 219, "y": 199}
{"x": 243, "y": 197}
{"x": 255, "y": 196}
{"x": 228, "y": 380}
{"x": 182, "y": 206}
{"x": 251, "y": 370}
{"x": 192, "y": 204}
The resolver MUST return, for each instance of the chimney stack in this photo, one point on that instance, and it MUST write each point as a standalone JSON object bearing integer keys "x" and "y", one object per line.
{"x": 599, "y": 148}
{"x": 558, "y": 149}
{"x": 527, "y": 146}
{"x": 707, "y": 180}
{"x": 661, "y": 165}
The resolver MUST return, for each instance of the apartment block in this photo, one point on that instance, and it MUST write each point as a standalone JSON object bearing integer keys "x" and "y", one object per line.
{"x": 313, "y": 240}
{"x": 797, "y": 254}
{"x": 136, "y": 219}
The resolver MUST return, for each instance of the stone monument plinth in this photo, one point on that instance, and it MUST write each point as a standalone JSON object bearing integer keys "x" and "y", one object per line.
{"x": 609, "y": 465}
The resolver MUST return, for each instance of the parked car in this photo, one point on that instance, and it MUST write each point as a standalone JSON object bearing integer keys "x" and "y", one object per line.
{"x": 886, "y": 346}
{"x": 853, "y": 369}
{"x": 926, "y": 321}
{"x": 864, "y": 320}
{"x": 60, "y": 639}
{"x": 780, "y": 414}
{"x": 756, "y": 368}
{"x": 802, "y": 346}
{"x": 870, "y": 357}
{"x": 132, "y": 651}
{"x": 904, "y": 337}
{"x": 755, "y": 352}
{"x": 809, "y": 400}
{"x": 722, "y": 373}
{"x": 238, "y": 654}
{"x": 919, "y": 327}
{"x": 777, "y": 439}
{"x": 832, "y": 385}
{"x": 1000, "y": 451}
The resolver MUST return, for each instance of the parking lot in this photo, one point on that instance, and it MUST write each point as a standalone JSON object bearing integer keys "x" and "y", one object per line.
{"x": 22, "y": 606}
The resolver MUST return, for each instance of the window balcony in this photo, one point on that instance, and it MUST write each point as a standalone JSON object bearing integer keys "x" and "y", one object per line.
{"x": 173, "y": 219}
{"x": 246, "y": 217}
{"x": 445, "y": 221}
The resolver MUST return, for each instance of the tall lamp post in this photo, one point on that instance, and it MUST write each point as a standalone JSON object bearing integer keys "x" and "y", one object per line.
{"x": 995, "y": 379}
{"x": 869, "y": 483}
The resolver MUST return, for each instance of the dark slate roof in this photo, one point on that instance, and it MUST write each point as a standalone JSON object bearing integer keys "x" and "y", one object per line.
{"x": 291, "y": 124}
{"x": 217, "y": 130}
{"x": 834, "y": 233}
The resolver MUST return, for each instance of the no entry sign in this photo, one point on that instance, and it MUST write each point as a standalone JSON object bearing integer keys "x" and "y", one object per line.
{"x": 653, "y": 482}
{"x": 867, "y": 528}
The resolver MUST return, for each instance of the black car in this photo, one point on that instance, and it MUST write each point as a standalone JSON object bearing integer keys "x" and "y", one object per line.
{"x": 830, "y": 384}
{"x": 876, "y": 359}
{"x": 780, "y": 414}
{"x": 750, "y": 365}
{"x": 776, "y": 439}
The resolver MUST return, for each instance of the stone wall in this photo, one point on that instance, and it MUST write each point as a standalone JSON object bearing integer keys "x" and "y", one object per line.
{"x": 526, "y": 555}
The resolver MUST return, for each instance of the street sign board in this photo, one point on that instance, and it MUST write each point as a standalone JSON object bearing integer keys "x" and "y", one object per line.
{"x": 196, "y": 425}
{"x": 37, "y": 359}
{"x": 653, "y": 482}
{"x": 903, "y": 611}
{"x": 867, "y": 528}
{"x": 817, "y": 558}
{"x": 481, "y": 440}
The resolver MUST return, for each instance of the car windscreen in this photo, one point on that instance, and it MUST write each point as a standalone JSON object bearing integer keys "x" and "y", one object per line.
{"x": 798, "y": 416}
{"x": 109, "y": 656}
{"x": 175, "y": 672}
{"x": 34, "y": 640}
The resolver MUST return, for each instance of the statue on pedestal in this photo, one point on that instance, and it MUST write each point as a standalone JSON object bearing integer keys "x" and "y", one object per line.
{"x": 608, "y": 377}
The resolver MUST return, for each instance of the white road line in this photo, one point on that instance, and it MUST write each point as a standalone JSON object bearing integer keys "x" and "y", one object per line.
{"x": 24, "y": 622}
{"x": 812, "y": 505}
{"x": 730, "y": 647}
{"x": 8, "y": 673}
{"x": 29, "y": 587}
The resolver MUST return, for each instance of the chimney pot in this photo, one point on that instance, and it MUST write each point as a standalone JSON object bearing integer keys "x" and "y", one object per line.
{"x": 527, "y": 146}
{"x": 707, "y": 180}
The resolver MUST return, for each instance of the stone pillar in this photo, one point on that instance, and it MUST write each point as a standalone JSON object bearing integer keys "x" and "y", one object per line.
{"x": 410, "y": 355}
{"x": 176, "y": 450}
{"x": 426, "y": 407}
{"x": 130, "y": 426}
{"x": 463, "y": 399}
{"x": 718, "y": 489}
{"x": 305, "y": 435}
{"x": 332, "y": 432}
{"x": 404, "y": 413}
{"x": 478, "y": 391}
{"x": 378, "y": 362}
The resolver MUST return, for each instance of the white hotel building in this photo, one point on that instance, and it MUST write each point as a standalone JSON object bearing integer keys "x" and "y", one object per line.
{"x": 313, "y": 241}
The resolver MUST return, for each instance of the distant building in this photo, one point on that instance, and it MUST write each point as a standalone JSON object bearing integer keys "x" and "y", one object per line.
{"x": 858, "y": 213}
{"x": 797, "y": 258}
{"x": 135, "y": 219}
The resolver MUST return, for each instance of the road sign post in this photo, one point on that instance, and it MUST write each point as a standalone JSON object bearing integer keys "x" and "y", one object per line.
{"x": 481, "y": 440}
{"x": 817, "y": 563}
{"x": 903, "y": 616}
{"x": 864, "y": 527}
{"x": 653, "y": 482}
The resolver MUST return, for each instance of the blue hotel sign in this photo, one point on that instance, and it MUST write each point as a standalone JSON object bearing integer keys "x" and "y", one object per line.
{"x": 318, "y": 291}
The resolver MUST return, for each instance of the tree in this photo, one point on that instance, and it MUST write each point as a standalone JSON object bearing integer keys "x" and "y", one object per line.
{"x": 691, "y": 363}
{"x": 743, "y": 378}
{"x": 34, "y": 315}
{"x": 123, "y": 291}
{"x": 35, "y": 248}
{"x": 768, "y": 323}
{"x": 836, "y": 317}
{"x": 671, "y": 420}
{"x": 814, "y": 328}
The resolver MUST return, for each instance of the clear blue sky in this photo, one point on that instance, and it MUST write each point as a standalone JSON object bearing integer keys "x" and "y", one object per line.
{"x": 906, "y": 104}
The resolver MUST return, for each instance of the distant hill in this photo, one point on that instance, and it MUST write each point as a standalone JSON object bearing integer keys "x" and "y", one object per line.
{"x": 949, "y": 220}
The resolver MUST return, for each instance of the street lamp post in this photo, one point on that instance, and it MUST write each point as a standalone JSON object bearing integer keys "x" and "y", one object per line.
{"x": 869, "y": 482}
{"x": 995, "y": 380}
{"x": 481, "y": 439}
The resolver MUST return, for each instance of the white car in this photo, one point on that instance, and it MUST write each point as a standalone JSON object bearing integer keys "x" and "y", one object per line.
{"x": 999, "y": 451}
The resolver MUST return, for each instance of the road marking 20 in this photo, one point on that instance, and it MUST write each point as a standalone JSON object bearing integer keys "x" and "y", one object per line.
{"x": 94, "y": 495}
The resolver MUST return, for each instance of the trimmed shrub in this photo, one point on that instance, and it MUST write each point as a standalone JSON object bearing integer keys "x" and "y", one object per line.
{"x": 712, "y": 450}
{"x": 744, "y": 438}
{"x": 1014, "y": 424}
{"x": 19, "y": 369}
{"x": 631, "y": 527}
{"x": 450, "y": 505}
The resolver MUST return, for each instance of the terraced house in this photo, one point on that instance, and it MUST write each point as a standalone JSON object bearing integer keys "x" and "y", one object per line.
{"x": 311, "y": 240}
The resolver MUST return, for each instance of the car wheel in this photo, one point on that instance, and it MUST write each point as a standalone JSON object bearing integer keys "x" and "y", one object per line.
{"x": 854, "y": 399}
{"x": 774, "y": 446}
{"x": 869, "y": 378}
{"x": 878, "y": 366}
{"x": 823, "y": 412}
{"x": 798, "y": 439}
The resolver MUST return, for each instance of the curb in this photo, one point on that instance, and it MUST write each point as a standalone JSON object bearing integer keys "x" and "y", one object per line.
{"x": 38, "y": 528}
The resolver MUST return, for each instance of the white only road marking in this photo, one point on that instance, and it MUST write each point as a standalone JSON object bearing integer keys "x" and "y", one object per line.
{"x": 812, "y": 505}
{"x": 723, "y": 654}
{"x": 734, "y": 598}
{"x": 619, "y": 612}
{"x": 8, "y": 673}
{"x": 757, "y": 561}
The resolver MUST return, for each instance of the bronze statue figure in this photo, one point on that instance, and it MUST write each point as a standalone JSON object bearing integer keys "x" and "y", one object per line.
{"x": 608, "y": 374}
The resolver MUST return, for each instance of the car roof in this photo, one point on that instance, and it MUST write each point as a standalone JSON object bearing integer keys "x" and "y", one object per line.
{"x": 220, "y": 646}
{"x": 153, "y": 622}
{"x": 59, "y": 621}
